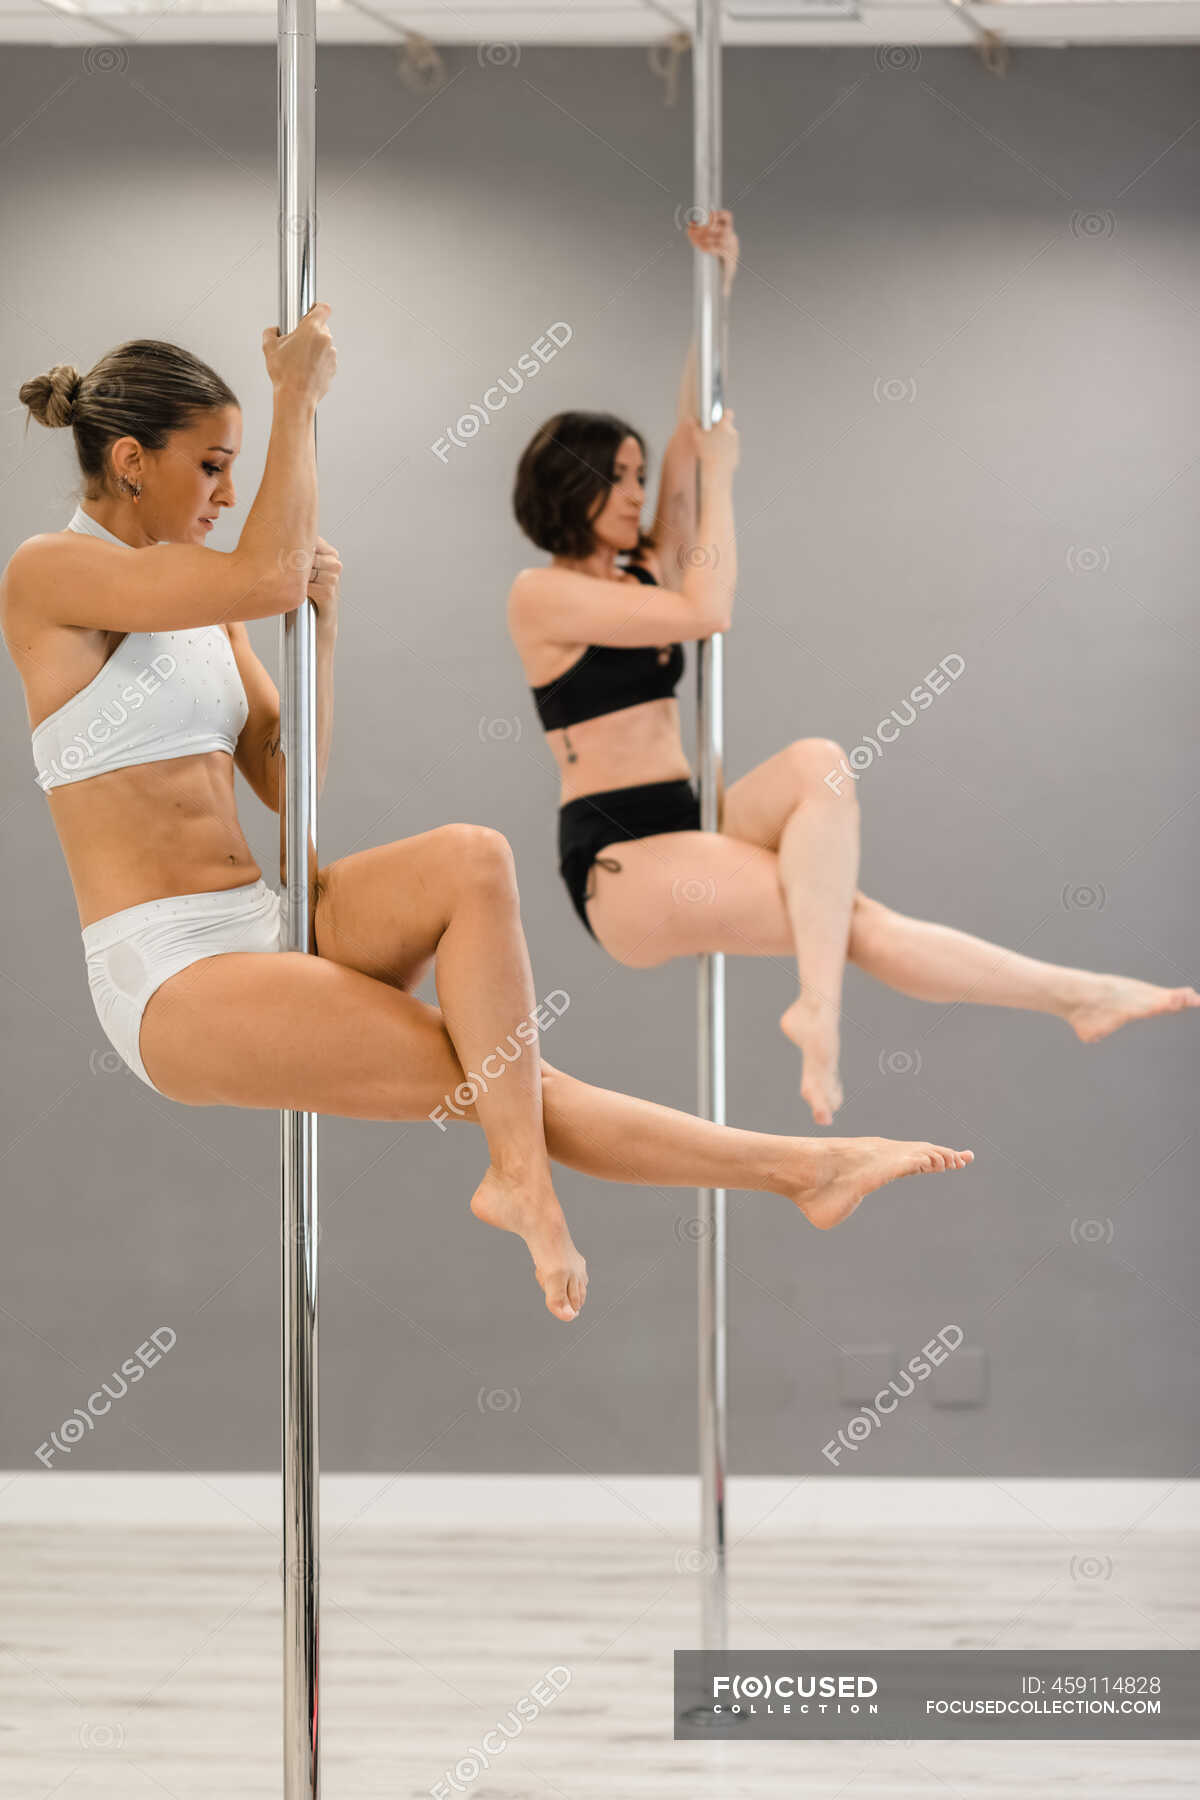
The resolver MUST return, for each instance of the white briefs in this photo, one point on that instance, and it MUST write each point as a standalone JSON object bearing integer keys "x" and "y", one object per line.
{"x": 132, "y": 952}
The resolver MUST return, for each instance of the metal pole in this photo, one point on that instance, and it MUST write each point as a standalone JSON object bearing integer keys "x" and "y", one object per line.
{"x": 706, "y": 123}
{"x": 297, "y": 46}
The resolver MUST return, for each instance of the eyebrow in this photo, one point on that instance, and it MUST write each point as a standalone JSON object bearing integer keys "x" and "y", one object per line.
{"x": 225, "y": 447}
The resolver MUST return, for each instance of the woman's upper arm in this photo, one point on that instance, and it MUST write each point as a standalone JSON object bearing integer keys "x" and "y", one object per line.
{"x": 256, "y": 749}
{"x": 561, "y": 606}
{"x": 69, "y": 578}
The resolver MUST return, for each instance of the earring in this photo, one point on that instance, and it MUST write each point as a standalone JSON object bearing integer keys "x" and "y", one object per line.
{"x": 127, "y": 487}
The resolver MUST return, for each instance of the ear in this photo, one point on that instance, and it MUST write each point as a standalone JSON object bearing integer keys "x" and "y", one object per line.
{"x": 126, "y": 459}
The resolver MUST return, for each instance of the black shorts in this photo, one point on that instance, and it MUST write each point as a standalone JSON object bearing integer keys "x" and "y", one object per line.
{"x": 587, "y": 825}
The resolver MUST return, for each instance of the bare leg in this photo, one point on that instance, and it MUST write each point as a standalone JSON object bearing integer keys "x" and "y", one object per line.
{"x": 612, "y": 1136}
{"x": 618, "y": 1137}
{"x": 786, "y": 805}
{"x": 453, "y": 892}
{"x": 272, "y": 1030}
{"x": 485, "y": 988}
{"x": 818, "y": 870}
{"x": 938, "y": 963}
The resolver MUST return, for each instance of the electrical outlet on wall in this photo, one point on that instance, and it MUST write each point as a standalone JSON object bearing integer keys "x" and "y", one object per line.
{"x": 863, "y": 1371}
{"x": 962, "y": 1380}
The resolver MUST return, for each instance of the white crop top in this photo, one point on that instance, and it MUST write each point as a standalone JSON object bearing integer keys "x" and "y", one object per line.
{"x": 160, "y": 694}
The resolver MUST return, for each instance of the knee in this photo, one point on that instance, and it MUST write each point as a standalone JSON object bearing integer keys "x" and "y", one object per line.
{"x": 640, "y": 957}
{"x": 480, "y": 857}
{"x": 818, "y": 766}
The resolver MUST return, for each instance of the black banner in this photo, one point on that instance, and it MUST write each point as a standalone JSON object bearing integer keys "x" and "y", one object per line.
{"x": 750, "y": 1695}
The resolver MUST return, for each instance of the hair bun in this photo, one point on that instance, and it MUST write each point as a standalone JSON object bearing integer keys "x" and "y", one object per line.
{"x": 51, "y": 397}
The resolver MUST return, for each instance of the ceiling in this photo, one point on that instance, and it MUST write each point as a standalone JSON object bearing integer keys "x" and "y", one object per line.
{"x": 495, "y": 26}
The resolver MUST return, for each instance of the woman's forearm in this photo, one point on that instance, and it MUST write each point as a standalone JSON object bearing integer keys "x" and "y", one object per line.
{"x": 711, "y": 578}
{"x": 688, "y": 406}
{"x": 282, "y": 521}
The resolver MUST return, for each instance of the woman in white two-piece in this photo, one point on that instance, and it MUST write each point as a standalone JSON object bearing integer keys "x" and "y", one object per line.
{"x": 143, "y": 693}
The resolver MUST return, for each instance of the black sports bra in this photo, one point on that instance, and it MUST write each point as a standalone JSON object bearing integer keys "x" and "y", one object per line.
{"x": 607, "y": 679}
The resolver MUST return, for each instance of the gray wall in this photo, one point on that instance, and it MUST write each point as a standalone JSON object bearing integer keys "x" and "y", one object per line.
{"x": 1017, "y": 261}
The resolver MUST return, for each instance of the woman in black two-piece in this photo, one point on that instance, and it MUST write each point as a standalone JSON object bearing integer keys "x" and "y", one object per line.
{"x": 601, "y": 641}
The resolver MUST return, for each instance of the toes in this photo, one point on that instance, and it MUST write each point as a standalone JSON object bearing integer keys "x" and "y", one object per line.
{"x": 556, "y": 1298}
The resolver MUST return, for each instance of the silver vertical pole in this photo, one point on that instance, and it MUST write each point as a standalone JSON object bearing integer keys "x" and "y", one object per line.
{"x": 706, "y": 122}
{"x": 297, "y": 48}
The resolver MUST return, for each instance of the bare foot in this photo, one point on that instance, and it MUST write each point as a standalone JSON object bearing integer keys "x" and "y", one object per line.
{"x": 836, "y": 1173}
{"x": 531, "y": 1209}
{"x": 1115, "y": 1000}
{"x": 814, "y": 1029}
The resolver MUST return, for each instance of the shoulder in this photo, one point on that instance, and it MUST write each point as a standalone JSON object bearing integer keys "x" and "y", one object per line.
{"x": 35, "y": 555}
{"x": 34, "y": 637}
{"x": 37, "y": 560}
{"x": 29, "y": 571}
{"x": 527, "y": 581}
{"x": 528, "y": 594}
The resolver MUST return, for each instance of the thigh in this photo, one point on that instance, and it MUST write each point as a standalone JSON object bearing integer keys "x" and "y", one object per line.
{"x": 280, "y": 1029}
{"x": 758, "y": 805}
{"x": 684, "y": 893}
{"x": 382, "y": 911}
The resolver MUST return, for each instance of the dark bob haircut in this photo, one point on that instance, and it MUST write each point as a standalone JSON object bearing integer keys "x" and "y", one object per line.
{"x": 569, "y": 464}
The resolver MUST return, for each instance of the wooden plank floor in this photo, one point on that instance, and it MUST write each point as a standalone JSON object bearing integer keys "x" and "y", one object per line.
{"x": 146, "y": 1662}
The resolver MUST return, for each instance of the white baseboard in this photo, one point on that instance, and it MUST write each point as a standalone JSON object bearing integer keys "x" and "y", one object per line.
{"x": 767, "y": 1505}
